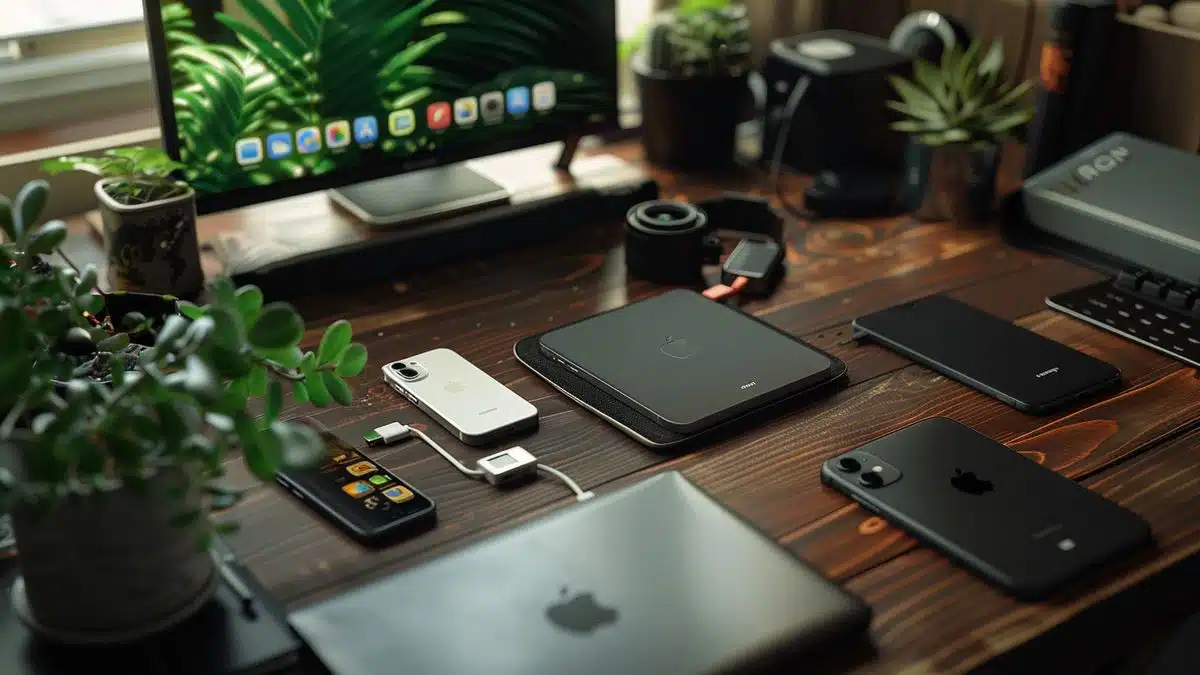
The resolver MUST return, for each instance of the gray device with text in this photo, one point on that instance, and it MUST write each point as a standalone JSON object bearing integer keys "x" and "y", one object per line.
{"x": 655, "y": 578}
{"x": 468, "y": 402}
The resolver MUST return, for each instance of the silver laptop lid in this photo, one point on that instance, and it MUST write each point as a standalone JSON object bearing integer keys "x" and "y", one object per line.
{"x": 655, "y": 578}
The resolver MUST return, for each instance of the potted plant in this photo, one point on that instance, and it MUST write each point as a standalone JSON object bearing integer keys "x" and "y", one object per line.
{"x": 149, "y": 220}
{"x": 958, "y": 116}
{"x": 691, "y": 66}
{"x": 113, "y": 476}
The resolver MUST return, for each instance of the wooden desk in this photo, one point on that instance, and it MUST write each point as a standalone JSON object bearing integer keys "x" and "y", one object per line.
{"x": 1140, "y": 446}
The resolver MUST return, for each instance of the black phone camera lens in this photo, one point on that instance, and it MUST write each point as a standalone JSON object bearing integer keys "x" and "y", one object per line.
{"x": 849, "y": 465}
{"x": 408, "y": 372}
{"x": 870, "y": 479}
{"x": 398, "y": 366}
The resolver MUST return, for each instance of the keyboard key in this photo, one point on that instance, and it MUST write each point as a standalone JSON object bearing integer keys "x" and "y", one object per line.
{"x": 1156, "y": 288}
{"x": 1130, "y": 279}
{"x": 1180, "y": 298}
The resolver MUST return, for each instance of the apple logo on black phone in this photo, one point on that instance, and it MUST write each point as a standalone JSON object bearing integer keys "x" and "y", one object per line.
{"x": 677, "y": 348}
{"x": 968, "y": 482}
{"x": 580, "y": 614}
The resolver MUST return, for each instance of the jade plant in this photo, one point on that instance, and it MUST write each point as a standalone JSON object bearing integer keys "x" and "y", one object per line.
{"x": 695, "y": 38}
{"x": 131, "y": 176}
{"x": 965, "y": 99}
{"x": 182, "y": 404}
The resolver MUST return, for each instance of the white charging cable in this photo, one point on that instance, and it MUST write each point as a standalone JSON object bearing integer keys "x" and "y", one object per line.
{"x": 501, "y": 468}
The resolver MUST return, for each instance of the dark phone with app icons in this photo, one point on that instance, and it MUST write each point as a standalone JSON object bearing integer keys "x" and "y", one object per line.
{"x": 364, "y": 499}
{"x": 1017, "y": 524}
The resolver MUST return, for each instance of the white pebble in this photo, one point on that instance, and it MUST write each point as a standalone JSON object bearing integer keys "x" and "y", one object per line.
{"x": 1186, "y": 14}
{"x": 1155, "y": 13}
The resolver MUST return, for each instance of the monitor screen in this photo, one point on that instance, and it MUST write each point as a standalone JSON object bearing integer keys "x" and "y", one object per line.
{"x": 263, "y": 99}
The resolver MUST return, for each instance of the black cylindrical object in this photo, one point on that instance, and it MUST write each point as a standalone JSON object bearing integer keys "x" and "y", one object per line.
{"x": 667, "y": 242}
{"x": 690, "y": 123}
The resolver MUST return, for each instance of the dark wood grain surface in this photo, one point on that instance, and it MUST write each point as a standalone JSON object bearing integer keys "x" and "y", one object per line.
{"x": 1139, "y": 446}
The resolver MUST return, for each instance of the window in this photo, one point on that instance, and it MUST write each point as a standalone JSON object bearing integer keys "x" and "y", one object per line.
{"x": 31, "y": 18}
{"x": 631, "y": 14}
{"x": 70, "y": 60}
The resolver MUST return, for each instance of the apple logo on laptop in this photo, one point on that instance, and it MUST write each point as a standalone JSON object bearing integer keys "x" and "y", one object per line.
{"x": 580, "y": 614}
{"x": 677, "y": 348}
{"x": 968, "y": 482}
{"x": 455, "y": 387}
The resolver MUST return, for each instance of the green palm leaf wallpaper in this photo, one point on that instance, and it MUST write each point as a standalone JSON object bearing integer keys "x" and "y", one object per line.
{"x": 288, "y": 89}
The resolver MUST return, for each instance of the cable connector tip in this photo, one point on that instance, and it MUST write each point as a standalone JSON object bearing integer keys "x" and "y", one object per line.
{"x": 387, "y": 434}
{"x": 585, "y": 496}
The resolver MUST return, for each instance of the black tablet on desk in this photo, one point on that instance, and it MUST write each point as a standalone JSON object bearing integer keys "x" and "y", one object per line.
{"x": 685, "y": 361}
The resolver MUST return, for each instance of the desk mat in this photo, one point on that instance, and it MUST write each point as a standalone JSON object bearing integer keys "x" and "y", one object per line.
{"x": 644, "y": 430}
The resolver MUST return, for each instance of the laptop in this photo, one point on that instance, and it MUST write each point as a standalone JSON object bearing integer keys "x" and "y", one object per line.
{"x": 654, "y": 578}
{"x": 685, "y": 361}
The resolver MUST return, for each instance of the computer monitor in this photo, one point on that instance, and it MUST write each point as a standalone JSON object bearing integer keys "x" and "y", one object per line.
{"x": 265, "y": 99}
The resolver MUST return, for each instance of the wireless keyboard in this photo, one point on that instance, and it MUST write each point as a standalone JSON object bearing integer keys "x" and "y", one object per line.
{"x": 1148, "y": 309}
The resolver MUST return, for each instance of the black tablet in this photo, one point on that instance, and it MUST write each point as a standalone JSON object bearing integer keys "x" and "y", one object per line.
{"x": 685, "y": 361}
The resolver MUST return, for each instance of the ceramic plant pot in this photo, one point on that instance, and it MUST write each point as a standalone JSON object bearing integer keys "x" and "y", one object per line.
{"x": 952, "y": 182}
{"x": 112, "y": 567}
{"x": 690, "y": 122}
{"x": 153, "y": 247}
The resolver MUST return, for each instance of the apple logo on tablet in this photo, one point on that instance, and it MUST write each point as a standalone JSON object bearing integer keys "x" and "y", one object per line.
{"x": 677, "y": 348}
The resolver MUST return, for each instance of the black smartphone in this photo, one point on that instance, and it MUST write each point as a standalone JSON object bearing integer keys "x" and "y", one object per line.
{"x": 362, "y": 498}
{"x": 1033, "y": 374}
{"x": 1017, "y": 524}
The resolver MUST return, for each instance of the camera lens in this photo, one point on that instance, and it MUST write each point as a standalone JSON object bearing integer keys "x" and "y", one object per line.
{"x": 398, "y": 366}
{"x": 849, "y": 465}
{"x": 870, "y": 479}
{"x": 408, "y": 372}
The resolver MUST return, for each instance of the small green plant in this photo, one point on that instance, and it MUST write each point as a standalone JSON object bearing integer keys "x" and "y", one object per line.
{"x": 131, "y": 176}
{"x": 698, "y": 37}
{"x": 964, "y": 100}
{"x": 182, "y": 403}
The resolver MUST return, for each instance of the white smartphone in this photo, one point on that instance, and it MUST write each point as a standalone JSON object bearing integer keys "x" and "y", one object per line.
{"x": 468, "y": 402}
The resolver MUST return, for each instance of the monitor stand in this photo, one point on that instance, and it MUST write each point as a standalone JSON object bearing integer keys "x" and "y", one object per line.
{"x": 419, "y": 196}
{"x": 431, "y": 194}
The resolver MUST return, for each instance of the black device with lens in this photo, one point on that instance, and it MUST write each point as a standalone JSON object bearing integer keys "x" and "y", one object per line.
{"x": 670, "y": 242}
{"x": 870, "y": 471}
{"x": 356, "y": 494}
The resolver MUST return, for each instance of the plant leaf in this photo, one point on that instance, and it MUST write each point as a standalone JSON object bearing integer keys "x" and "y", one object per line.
{"x": 6, "y": 219}
{"x": 87, "y": 280}
{"x": 300, "y": 392}
{"x": 172, "y": 329}
{"x": 31, "y": 200}
{"x": 190, "y": 310}
{"x": 443, "y": 19}
{"x": 278, "y": 327}
{"x": 274, "y": 401}
{"x": 201, "y": 381}
{"x": 260, "y": 448}
{"x": 911, "y": 93}
{"x": 303, "y": 448}
{"x": 257, "y": 382}
{"x": 337, "y": 337}
{"x": 113, "y": 343}
{"x": 318, "y": 393}
{"x": 993, "y": 61}
{"x": 353, "y": 361}
{"x": 46, "y": 238}
{"x": 249, "y": 303}
{"x": 338, "y": 389}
